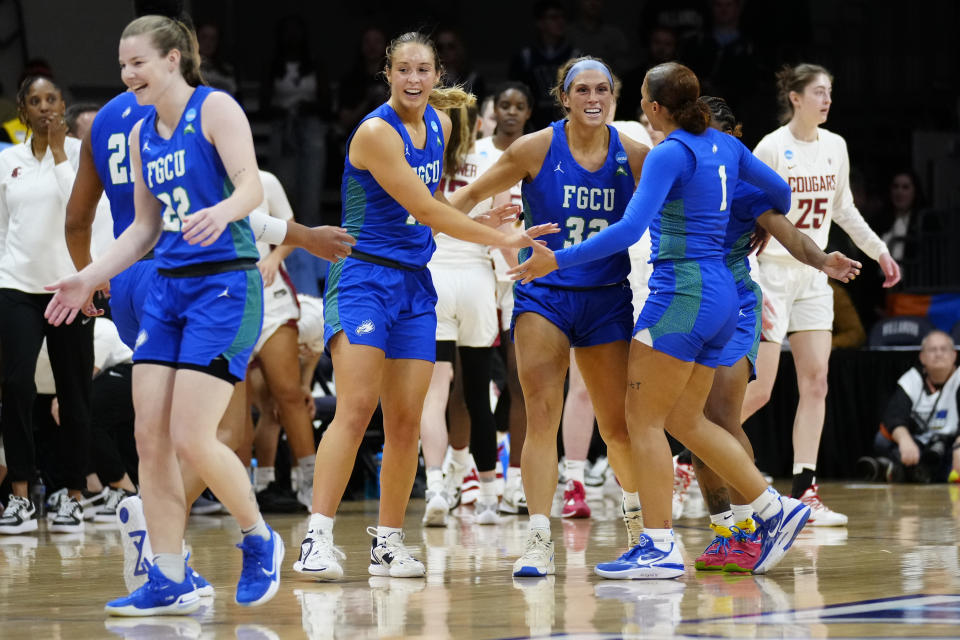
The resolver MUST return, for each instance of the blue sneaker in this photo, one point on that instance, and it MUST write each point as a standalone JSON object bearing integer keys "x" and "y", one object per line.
{"x": 158, "y": 596}
{"x": 644, "y": 561}
{"x": 778, "y": 532}
{"x": 204, "y": 588}
{"x": 260, "y": 577}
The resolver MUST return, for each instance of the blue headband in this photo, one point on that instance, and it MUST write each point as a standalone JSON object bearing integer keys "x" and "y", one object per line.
{"x": 586, "y": 65}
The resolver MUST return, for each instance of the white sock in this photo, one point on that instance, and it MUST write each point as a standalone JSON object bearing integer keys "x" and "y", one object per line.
{"x": 171, "y": 565}
{"x": 741, "y": 512}
{"x": 488, "y": 490}
{"x": 513, "y": 474}
{"x": 461, "y": 457}
{"x": 631, "y": 501}
{"x": 541, "y": 522}
{"x": 259, "y": 528}
{"x": 262, "y": 476}
{"x": 798, "y": 467}
{"x": 320, "y": 523}
{"x": 662, "y": 538}
{"x": 724, "y": 519}
{"x": 306, "y": 465}
{"x": 434, "y": 478}
{"x": 383, "y": 532}
{"x": 573, "y": 469}
{"x": 767, "y": 504}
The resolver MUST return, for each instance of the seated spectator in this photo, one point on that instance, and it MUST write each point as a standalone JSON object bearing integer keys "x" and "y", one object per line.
{"x": 918, "y": 439}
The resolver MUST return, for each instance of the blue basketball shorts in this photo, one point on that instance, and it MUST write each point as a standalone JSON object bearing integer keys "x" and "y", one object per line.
{"x": 691, "y": 311}
{"x": 746, "y": 337}
{"x": 388, "y": 308}
{"x": 202, "y": 322}
{"x": 587, "y": 317}
{"x": 128, "y": 293}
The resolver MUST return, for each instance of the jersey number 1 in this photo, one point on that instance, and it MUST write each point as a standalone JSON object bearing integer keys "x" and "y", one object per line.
{"x": 723, "y": 186}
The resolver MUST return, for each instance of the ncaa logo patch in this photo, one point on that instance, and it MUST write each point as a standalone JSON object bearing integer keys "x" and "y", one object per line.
{"x": 191, "y": 114}
{"x": 365, "y": 327}
{"x": 788, "y": 154}
{"x": 434, "y": 126}
{"x": 621, "y": 157}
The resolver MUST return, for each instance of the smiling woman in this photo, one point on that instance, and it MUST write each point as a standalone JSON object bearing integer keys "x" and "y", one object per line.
{"x": 35, "y": 181}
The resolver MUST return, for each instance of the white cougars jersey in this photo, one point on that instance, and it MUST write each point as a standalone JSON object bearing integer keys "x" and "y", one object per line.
{"x": 818, "y": 174}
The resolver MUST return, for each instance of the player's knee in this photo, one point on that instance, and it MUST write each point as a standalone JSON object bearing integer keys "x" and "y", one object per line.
{"x": 813, "y": 385}
{"x": 615, "y": 436}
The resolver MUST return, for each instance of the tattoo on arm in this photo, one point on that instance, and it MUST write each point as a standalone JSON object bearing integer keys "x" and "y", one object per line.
{"x": 236, "y": 175}
{"x": 634, "y": 385}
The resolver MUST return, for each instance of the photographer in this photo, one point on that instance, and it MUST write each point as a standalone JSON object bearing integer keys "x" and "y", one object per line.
{"x": 918, "y": 439}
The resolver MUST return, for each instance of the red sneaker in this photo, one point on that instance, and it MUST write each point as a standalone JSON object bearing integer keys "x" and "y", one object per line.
{"x": 575, "y": 501}
{"x": 744, "y": 551}
{"x": 470, "y": 487}
{"x": 714, "y": 557}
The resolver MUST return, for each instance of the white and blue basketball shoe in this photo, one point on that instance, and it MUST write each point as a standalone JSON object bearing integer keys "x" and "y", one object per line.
{"x": 644, "y": 561}
{"x": 158, "y": 596}
{"x": 778, "y": 531}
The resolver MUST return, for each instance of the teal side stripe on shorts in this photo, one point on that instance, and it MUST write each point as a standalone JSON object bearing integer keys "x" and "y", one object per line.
{"x": 681, "y": 315}
{"x": 758, "y": 314}
{"x": 673, "y": 232}
{"x": 252, "y": 320}
{"x": 331, "y": 303}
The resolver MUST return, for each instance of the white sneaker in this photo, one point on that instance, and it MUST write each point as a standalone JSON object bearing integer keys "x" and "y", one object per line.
{"x": 18, "y": 517}
{"x": 514, "y": 499}
{"x": 779, "y": 531}
{"x": 69, "y": 517}
{"x": 319, "y": 557}
{"x": 537, "y": 558}
{"x": 137, "y": 552}
{"x": 634, "y": 522}
{"x": 453, "y": 478}
{"x": 486, "y": 512}
{"x": 390, "y": 558}
{"x": 820, "y": 514}
{"x": 437, "y": 508}
{"x": 304, "y": 488}
{"x": 107, "y": 511}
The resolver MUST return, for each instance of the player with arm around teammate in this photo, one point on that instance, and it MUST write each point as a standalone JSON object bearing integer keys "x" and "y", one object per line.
{"x": 379, "y": 308}
{"x": 580, "y": 174}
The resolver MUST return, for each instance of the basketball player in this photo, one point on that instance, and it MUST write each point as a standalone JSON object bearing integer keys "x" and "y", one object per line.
{"x": 815, "y": 163}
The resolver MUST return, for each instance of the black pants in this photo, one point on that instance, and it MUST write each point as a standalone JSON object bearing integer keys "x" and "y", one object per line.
{"x": 114, "y": 449}
{"x": 22, "y": 329}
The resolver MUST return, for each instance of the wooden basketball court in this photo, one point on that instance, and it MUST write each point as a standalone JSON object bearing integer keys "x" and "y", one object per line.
{"x": 893, "y": 572}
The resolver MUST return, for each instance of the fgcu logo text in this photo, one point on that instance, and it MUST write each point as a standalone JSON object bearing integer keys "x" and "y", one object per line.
{"x": 429, "y": 173}
{"x": 166, "y": 168}
{"x": 586, "y": 198}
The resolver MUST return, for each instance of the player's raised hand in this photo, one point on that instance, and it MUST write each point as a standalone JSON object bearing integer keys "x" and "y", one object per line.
{"x": 840, "y": 267}
{"x": 499, "y": 215}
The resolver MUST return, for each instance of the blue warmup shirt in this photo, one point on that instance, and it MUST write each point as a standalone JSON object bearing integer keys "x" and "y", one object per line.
{"x": 380, "y": 225}
{"x": 109, "y": 138}
{"x": 583, "y": 203}
{"x": 185, "y": 173}
{"x": 689, "y": 180}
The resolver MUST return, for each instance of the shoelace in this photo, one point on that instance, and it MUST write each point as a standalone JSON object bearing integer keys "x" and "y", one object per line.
{"x": 113, "y": 500}
{"x": 68, "y": 508}
{"x": 394, "y": 544}
{"x": 252, "y": 549}
{"x": 15, "y": 507}
{"x": 813, "y": 499}
{"x": 742, "y": 536}
{"x": 536, "y": 543}
{"x": 324, "y": 544}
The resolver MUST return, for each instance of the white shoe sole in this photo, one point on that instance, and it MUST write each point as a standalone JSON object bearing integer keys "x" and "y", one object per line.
{"x": 641, "y": 573}
{"x": 24, "y": 527}
{"x": 828, "y": 522}
{"x": 396, "y": 572}
{"x": 185, "y": 605}
{"x": 325, "y": 574}
{"x": 65, "y": 528}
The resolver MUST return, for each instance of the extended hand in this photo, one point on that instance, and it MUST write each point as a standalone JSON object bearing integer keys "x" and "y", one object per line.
{"x": 758, "y": 240}
{"x": 329, "y": 243}
{"x": 499, "y": 215}
{"x": 71, "y": 295}
{"x": 840, "y": 267}
{"x": 537, "y": 265}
